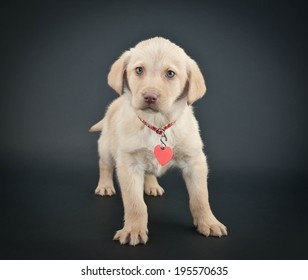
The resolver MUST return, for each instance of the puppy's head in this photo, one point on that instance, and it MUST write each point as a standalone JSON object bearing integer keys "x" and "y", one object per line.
{"x": 158, "y": 73}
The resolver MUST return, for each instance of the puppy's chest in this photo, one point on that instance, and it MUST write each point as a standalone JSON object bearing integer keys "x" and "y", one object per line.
{"x": 145, "y": 152}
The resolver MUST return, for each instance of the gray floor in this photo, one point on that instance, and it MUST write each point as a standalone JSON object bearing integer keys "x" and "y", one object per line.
{"x": 53, "y": 214}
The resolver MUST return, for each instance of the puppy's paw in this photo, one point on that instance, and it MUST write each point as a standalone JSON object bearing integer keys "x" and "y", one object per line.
{"x": 211, "y": 227}
{"x": 154, "y": 190}
{"x": 105, "y": 190}
{"x": 132, "y": 236}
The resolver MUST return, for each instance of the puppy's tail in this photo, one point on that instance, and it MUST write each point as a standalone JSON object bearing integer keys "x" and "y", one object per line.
{"x": 97, "y": 127}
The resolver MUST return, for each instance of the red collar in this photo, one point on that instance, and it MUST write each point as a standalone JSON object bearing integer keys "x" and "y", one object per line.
{"x": 158, "y": 130}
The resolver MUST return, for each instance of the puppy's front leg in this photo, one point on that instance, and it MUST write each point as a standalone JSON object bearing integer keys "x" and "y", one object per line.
{"x": 195, "y": 176}
{"x": 131, "y": 179}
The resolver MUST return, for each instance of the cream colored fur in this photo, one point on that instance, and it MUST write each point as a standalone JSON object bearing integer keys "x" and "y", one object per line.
{"x": 127, "y": 144}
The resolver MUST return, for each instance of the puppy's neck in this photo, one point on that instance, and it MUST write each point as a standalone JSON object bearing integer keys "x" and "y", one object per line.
{"x": 160, "y": 119}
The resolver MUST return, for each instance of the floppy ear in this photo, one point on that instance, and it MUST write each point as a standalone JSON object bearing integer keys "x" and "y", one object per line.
{"x": 196, "y": 82}
{"x": 116, "y": 73}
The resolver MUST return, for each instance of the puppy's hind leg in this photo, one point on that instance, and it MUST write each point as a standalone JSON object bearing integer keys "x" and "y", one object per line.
{"x": 151, "y": 186}
{"x": 105, "y": 184}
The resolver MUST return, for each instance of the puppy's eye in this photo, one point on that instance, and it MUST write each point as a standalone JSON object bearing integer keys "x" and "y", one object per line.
{"x": 139, "y": 70}
{"x": 170, "y": 74}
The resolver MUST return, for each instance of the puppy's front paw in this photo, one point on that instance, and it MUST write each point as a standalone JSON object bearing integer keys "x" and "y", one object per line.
{"x": 133, "y": 236}
{"x": 105, "y": 190}
{"x": 211, "y": 227}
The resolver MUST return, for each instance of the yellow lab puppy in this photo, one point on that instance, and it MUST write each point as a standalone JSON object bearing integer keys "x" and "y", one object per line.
{"x": 150, "y": 128}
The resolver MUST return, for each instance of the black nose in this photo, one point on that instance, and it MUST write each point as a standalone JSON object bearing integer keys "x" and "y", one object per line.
{"x": 150, "y": 98}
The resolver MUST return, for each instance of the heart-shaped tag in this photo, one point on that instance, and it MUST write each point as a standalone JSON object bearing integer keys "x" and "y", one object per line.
{"x": 163, "y": 155}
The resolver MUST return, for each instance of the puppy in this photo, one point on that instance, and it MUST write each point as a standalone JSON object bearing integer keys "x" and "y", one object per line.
{"x": 150, "y": 128}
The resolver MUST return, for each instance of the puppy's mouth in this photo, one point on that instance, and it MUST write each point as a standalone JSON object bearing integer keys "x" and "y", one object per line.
{"x": 146, "y": 107}
{"x": 150, "y": 108}
{"x": 148, "y": 102}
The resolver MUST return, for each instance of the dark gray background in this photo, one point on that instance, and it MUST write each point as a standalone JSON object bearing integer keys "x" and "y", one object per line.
{"x": 55, "y": 57}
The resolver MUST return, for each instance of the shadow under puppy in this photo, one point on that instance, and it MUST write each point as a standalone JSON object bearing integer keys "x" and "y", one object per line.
{"x": 150, "y": 128}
